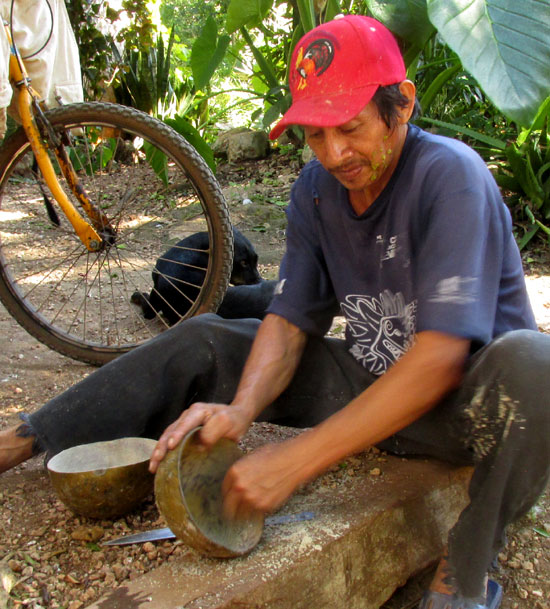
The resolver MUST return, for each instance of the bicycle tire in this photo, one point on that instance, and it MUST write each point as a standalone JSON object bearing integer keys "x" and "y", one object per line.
{"x": 78, "y": 302}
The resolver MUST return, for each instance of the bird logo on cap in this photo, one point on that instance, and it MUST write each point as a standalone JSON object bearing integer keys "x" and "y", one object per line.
{"x": 316, "y": 59}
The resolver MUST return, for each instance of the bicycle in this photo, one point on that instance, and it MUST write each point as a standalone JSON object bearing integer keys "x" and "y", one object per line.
{"x": 91, "y": 194}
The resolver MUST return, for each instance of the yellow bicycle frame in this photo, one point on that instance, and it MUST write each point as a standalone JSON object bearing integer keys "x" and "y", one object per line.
{"x": 19, "y": 77}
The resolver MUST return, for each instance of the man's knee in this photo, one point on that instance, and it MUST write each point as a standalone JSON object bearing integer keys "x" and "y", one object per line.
{"x": 519, "y": 352}
{"x": 515, "y": 368}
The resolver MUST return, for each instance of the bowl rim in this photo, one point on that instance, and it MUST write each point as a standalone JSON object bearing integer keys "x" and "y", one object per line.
{"x": 53, "y": 462}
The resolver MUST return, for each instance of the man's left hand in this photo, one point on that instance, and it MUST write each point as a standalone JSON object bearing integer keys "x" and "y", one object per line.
{"x": 262, "y": 481}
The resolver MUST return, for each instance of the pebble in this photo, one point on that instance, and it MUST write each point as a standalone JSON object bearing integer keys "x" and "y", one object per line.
{"x": 89, "y": 534}
{"x": 375, "y": 471}
{"x": 15, "y": 566}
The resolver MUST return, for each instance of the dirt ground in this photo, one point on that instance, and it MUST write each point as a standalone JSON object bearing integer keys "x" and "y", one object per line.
{"x": 50, "y": 558}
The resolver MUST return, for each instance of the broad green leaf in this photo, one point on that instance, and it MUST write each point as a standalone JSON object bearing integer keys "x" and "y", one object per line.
{"x": 407, "y": 19}
{"x": 184, "y": 127}
{"x": 246, "y": 12}
{"x": 207, "y": 53}
{"x": 157, "y": 160}
{"x": 505, "y": 45}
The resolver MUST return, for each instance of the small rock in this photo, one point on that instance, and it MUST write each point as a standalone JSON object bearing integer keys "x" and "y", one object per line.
{"x": 89, "y": 594}
{"x": 89, "y": 534}
{"x": 527, "y": 565}
{"x": 76, "y": 604}
{"x": 514, "y": 564}
{"x": 15, "y": 566}
{"x": 523, "y": 593}
{"x": 119, "y": 572}
{"x": 375, "y": 471}
{"x": 110, "y": 579}
{"x": 148, "y": 547}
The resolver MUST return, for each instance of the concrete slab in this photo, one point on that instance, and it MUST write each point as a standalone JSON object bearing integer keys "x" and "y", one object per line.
{"x": 378, "y": 520}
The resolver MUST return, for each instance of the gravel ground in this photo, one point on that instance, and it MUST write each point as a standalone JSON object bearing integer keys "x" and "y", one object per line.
{"x": 49, "y": 558}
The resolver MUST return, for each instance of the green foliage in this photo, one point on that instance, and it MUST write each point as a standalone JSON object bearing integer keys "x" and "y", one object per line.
{"x": 407, "y": 19}
{"x": 95, "y": 47}
{"x": 271, "y": 45}
{"x": 143, "y": 80}
{"x": 242, "y": 13}
{"x": 189, "y": 16}
{"x": 504, "y": 47}
{"x": 207, "y": 53}
{"x": 185, "y": 128}
{"x": 527, "y": 173}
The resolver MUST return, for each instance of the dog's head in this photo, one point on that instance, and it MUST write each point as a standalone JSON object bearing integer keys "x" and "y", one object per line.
{"x": 245, "y": 261}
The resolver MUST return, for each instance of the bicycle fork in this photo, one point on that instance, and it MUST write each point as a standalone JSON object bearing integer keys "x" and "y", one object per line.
{"x": 90, "y": 237}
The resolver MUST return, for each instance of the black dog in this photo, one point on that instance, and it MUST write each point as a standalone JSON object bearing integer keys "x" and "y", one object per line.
{"x": 242, "y": 301}
{"x": 180, "y": 272}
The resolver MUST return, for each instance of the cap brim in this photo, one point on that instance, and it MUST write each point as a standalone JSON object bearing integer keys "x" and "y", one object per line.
{"x": 326, "y": 111}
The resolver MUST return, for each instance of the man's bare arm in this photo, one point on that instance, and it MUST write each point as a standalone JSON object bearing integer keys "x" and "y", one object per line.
{"x": 271, "y": 364}
{"x": 264, "y": 479}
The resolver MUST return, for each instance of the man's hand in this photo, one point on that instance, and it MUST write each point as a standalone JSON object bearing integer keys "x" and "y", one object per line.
{"x": 263, "y": 480}
{"x": 218, "y": 421}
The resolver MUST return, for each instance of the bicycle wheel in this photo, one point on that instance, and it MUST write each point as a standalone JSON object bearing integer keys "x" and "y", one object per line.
{"x": 154, "y": 189}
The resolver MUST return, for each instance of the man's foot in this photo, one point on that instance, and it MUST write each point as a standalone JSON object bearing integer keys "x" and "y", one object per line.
{"x": 443, "y": 594}
{"x": 14, "y": 447}
{"x": 442, "y": 581}
{"x": 436, "y": 600}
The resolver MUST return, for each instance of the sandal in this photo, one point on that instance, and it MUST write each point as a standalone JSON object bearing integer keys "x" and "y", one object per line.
{"x": 437, "y": 600}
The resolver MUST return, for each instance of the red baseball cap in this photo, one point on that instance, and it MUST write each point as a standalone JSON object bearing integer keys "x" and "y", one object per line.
{"x": 335, "y": 70}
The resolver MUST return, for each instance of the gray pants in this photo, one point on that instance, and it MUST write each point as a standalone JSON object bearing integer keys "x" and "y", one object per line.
{"x": 498, "y": 419}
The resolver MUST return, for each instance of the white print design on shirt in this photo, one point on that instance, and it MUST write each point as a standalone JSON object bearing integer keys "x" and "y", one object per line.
{"x": 382, "y": 329}
{"x": 457, "y": 290}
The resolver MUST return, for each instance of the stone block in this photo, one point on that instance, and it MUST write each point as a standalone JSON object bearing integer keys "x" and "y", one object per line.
{"x": 377, "y": 521}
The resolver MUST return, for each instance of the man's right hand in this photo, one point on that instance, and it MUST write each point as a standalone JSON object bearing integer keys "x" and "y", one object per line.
{"x": 217, "y": 420}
